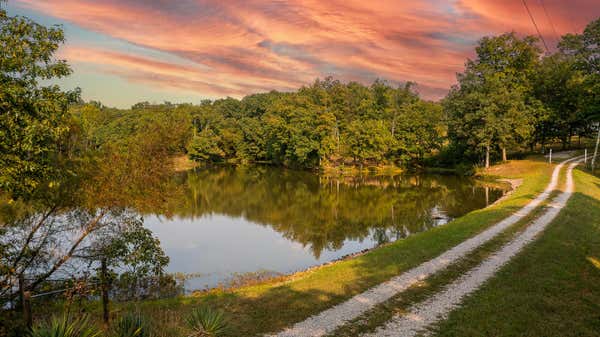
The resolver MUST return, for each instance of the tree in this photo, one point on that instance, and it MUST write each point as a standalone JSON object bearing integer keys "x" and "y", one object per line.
{"x": 421, "y": 130}
{"x": 492, "y": 103}
{"x": 584, "y": 50}
{"x": 206, "y": 147}
{"x": 559, "y": 85}
{"x": 367, "y": 140}
{"x": 33, "y": 118}
{"x": 126, "y": 248}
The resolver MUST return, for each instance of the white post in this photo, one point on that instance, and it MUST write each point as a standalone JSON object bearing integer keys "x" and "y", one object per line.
{"x": 585, "y": 156}
{"x": 550, "y": 157}
{"x": 596, "y": 149}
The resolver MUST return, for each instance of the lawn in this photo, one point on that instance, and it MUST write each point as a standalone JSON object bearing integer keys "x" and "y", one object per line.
{"x": 552, "y": 288}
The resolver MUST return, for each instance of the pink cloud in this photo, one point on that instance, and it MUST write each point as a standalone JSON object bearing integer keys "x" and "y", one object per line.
{"x": 242, "y": 47}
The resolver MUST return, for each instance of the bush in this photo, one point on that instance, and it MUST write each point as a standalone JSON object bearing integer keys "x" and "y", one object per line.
{"x": 64, "y": 327}
{"x": 206, "y": 322}
{"x": 132, "y": 325}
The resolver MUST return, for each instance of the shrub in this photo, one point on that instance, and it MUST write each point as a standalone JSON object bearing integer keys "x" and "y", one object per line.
{"x": 206, "y": 322}
{"x": 64, "y": 327}
{"x": 132, "y": 325}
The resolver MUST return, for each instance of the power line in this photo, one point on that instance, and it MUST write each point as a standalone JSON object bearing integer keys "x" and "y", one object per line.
{"x": 536, "y": 26}
{"x": 549, "y": 19}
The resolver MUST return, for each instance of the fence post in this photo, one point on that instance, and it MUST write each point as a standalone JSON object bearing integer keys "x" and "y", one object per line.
{"x": 596, "y": 149}
{"x": 550, "y": 157}
{"x": 27, "y": 317}
{"x": 104, "y": 289}
{"x": 25, "y": 302}
{"x": 21, "y": 292}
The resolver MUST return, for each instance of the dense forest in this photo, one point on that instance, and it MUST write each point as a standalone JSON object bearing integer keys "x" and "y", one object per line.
{"x": 510, "y": 98}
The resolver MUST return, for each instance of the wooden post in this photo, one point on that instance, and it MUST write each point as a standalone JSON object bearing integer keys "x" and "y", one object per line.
{"x": 585, "y": 156}
{"x": 21, "y": 292}
{"x": 104, "y": 290}
{"x": 25, "y": 302}
{"x": 27, "y": 309}
{"x": 487, "y": 156}
{"x": 550, "y": 157}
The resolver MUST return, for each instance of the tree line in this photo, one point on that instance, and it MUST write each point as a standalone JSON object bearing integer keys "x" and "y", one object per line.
{"x": 510, "y": 98}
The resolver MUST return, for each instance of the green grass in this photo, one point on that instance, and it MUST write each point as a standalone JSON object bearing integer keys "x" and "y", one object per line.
{"x": 552, "y": 288}
{"x": 400, "y": 303}
{"x": 272, "y": 306}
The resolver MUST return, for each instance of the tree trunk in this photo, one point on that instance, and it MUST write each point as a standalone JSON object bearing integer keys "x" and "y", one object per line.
{"x": 503, "y": 154}
{"x": 104, "y": 288}
{"x": 487, "y": 156}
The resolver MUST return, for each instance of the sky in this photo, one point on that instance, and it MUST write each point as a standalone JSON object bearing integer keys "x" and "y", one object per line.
{"x": 184, "y": 51}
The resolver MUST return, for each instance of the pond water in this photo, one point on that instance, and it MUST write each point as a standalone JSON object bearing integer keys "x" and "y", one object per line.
{"x": 226, "y": 221}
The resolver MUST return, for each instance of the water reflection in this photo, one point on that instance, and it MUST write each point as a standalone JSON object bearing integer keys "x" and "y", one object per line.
{"x": 226, "y": 220}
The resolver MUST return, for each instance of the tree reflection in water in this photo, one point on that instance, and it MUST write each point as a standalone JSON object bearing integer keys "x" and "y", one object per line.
{"x": 323, "y": 212}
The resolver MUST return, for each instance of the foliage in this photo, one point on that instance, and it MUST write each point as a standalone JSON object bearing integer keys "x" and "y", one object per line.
{"x": 328, "y": 121}
{"x": 131, "y": 325}
{"x": 66, "y": 327}
{"x": 367, "y": 140}
{"x": 206, "y": 322}
{"x": 491, "y": 106}
{"x": 33, "y": 118}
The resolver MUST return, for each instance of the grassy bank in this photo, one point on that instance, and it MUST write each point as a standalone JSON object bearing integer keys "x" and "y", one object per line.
{"x": 272, "y": 306}
{"x": 401, "y": 303}
{"x": 552, "y": 288}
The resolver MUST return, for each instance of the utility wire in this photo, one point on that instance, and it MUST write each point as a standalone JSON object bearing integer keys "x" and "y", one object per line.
{"x": 536, "y": 26}
{"x": 549, "y": 19}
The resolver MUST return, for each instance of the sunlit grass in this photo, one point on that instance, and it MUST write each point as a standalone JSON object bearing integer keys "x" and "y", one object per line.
{"x": 552, "y": 288}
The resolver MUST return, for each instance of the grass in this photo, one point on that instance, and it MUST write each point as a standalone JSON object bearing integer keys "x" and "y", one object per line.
{"x": 272, "y": 306}
{"x": 400, "y": 303}
{"x": 552, "y": 288}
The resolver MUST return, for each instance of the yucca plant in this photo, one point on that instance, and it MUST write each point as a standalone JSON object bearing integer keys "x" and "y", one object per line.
{"x": 132, "y": 325}
{"x": 64, "y": 327}
{"x": 206, "y": 322}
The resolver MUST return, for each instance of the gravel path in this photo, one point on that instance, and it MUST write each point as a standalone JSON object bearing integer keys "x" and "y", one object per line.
{"x": 440, "y": 305}
{"x": 334, "y": 317}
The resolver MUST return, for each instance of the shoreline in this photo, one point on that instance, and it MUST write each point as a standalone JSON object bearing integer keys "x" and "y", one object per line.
{"x": 282, "y": 278}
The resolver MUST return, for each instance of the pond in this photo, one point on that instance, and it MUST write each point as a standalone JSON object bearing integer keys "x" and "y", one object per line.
{"x": 227, "y": 221}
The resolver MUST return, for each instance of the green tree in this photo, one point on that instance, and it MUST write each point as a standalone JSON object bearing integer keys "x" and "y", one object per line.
{"x": 421, "y": 130}
{"x": 128, "y": 249}
{"x": 205, "y": 146}
{"x": 367, "y": 140}
{"x": 33, "y": 117}
{"x": 559, "y": 85}
{"x": 492, "y": 105}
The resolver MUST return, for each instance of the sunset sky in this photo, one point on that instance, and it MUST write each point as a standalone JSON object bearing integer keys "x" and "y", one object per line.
{"x": 126, "y": 51}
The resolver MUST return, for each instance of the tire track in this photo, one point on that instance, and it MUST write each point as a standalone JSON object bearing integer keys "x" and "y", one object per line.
{"x": 440, "y": 305}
